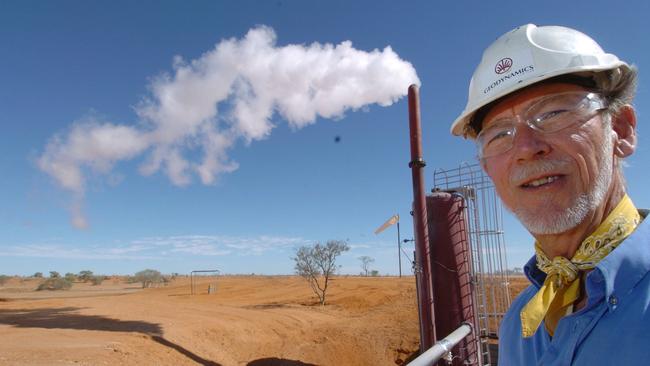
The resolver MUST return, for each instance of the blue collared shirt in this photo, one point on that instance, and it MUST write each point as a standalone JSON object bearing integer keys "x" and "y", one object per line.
{"x": 612, "y": 329}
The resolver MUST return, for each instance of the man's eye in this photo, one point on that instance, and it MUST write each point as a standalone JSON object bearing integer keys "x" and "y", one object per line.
{"x": 498, "y": 136}
{"x": 549, "y": 116}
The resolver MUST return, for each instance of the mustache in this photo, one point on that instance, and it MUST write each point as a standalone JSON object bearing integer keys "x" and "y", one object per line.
{"x": 534, "y": 169}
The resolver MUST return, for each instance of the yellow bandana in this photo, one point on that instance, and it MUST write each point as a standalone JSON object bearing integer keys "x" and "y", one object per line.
{"x": 562, "y": 285}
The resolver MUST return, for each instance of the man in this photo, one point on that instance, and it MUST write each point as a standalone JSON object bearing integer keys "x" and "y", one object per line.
{"x": 551, "y": 116}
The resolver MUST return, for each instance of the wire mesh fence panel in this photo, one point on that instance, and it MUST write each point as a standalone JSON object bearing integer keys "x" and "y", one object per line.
{"x": 486, "y": 236}
{"x": 198, "y": 280}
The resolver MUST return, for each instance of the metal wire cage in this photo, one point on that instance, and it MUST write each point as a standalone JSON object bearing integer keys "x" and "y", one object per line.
{"x": 484, "y": 214}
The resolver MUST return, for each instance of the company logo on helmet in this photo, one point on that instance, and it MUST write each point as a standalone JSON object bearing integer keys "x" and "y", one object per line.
{"x": 503, "y": 65}
{"x": 513, "y": 75}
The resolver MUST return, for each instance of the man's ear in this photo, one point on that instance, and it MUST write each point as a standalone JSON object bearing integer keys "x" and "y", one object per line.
{"x": 624, "y": 125}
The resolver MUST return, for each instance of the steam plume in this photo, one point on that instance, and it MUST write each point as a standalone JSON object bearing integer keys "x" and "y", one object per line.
{"x": 251, "y": 78}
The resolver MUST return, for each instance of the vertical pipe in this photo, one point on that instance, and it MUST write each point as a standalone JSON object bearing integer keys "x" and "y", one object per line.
{"x": 422, "y": 252}
{"x": 399, "y": 251}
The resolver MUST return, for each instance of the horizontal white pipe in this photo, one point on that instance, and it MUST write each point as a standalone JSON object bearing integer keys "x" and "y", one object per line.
{"x": 442, "y": 347}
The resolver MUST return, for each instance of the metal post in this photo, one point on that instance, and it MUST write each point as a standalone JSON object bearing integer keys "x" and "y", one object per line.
{"x": 423, "y": 255}
{"x": 399, "y": 251}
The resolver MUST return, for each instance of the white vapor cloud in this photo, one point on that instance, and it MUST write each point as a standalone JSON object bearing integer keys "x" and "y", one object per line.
{"x": 228, "y": 94}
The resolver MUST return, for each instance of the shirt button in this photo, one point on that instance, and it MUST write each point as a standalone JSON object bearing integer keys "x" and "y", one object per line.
{"x": 613, "y": 300}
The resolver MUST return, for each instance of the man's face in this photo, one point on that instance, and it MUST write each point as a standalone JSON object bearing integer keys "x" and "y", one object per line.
{"x": 551, "y": 181}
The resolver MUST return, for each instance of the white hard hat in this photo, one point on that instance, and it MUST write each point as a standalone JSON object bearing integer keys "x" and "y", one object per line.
{"x": 527, "y": 55}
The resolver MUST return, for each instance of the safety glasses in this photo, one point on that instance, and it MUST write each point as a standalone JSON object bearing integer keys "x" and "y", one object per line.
{"x": 548, "y": 114}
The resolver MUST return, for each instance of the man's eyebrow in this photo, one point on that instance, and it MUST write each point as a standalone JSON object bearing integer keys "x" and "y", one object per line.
{"x": 498, "y": 122}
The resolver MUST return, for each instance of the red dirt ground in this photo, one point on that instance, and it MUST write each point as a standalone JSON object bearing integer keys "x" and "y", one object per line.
{"x": 250, "y": 320}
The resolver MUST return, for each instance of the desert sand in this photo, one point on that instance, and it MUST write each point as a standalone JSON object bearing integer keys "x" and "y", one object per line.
{"x": 252, "y": 320}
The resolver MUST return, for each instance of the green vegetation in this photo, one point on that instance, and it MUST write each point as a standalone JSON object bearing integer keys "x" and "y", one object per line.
{"x": 54, "y": 284}
{"x": 96, "y": 280}
{"x": 85, "y": 276}
{"x": 148, "y": 277}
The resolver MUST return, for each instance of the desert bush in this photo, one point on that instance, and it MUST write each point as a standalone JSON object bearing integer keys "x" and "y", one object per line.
{"x": 4, "y": 279}
{"x": 317, "y": 263}
{"x": 54, "y": 274}
{"x": 38, "y": 275}
{"x": 70, "y": 277}
{"x": 148, "y": 277}
{"x": 53, "y": 284}
{"x": 374, "y": 273}
{"x": 96, "y": 280}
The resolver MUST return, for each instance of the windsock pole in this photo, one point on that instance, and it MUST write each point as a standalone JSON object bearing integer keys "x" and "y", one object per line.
{"x": 424, "y": 280}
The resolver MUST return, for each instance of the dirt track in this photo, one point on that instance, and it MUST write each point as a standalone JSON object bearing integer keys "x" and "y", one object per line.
{"x": 249, "y": 321}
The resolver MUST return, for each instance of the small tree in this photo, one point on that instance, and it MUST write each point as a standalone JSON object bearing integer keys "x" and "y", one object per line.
{"x": 38, "y": 275}
{"x": 85, "y": 276}
{"x": 317, "y": 263}
{"x": 70, "y": 277}
{"x": 54, "y": 274}
{"x": 365, "y": 264}
{"x": 148, "y": 277}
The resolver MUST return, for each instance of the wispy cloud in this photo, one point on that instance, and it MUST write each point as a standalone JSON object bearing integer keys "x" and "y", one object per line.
{"x": 228, "y": 94}
{"x": 223, "y": 245}
{"x": 60, "y": 251}
{"x": 161, "y": 247}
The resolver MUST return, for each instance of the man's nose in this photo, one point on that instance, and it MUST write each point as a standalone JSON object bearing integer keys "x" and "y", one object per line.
{"x": 529, "y": 143}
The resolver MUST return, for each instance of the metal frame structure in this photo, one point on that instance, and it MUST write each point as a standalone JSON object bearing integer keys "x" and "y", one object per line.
{"x": 193, "y": 280}
{"x": 485, "y": 221}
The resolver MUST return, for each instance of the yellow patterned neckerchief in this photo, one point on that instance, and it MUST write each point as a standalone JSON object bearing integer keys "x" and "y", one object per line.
{"x": 562, "y": 285}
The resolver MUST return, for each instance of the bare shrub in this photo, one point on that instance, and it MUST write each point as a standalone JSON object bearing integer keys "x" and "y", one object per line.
{"x": 54, "y": 284}
{"x": 317, "y": 263}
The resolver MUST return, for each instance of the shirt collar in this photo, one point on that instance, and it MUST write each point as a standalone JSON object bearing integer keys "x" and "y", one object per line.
{"x": 534, "y": 274}
{"x": 620, "y": 270}
{"x": 626, "y": 265}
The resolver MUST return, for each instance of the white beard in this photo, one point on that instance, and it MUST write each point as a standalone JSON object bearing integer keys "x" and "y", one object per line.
{"x": 559, "y": 222}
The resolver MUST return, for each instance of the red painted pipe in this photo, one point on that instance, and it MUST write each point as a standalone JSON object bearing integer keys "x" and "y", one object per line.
{"x": 424, "y": 280}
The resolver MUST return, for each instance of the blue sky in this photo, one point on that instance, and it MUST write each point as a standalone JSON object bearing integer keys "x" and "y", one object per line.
{"x": 79, "y": 67}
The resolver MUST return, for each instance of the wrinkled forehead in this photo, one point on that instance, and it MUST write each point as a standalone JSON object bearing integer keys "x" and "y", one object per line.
{"x": 513, "y": 104}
